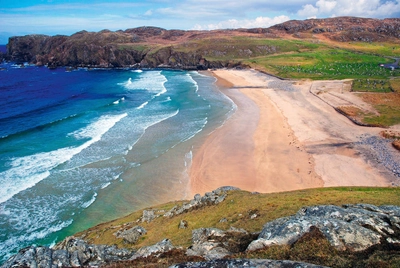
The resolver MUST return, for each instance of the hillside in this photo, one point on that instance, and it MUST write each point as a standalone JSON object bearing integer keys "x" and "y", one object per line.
{"x": 151, "y": 47}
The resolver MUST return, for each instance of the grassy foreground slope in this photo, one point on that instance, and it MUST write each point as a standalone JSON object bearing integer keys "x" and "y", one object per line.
{"x": 238, "y": 209}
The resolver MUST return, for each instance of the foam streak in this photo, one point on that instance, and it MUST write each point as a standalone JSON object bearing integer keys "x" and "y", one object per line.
{"x": 27, "y": 171}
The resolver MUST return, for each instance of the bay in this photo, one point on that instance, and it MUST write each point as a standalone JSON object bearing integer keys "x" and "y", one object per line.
{"x": 81, "y": 147}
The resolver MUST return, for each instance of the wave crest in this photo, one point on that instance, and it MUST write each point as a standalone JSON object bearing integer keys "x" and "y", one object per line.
{"x": 27, "y": 171}
{"x": 152, "y": 81}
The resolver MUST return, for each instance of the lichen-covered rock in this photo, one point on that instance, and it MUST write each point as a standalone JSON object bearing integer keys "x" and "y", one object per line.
{"x": 208, "y": 250}
{"x": 71, "y": 253}
{"x": 206, "y": 234}
{"x": 213, "y": 243}
{"x": 352, "y": 227}
{"x": 155, "y": 250}
{"x": 341, "y": 234}
{"x": 132, "y": 235}
{"x": 246, "y": 263}
{"x": 183, "y": 224}
{"x": 148, "y": 215}
{"x": 211, "y": 198}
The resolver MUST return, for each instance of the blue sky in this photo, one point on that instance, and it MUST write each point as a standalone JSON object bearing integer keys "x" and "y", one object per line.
{"x": 21, "y": 17}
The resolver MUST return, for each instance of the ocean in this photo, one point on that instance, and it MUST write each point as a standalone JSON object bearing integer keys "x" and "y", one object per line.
{"x": 81, "y": 147}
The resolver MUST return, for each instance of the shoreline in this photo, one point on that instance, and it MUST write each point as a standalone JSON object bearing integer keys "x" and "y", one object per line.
{"x": 280, "y": 139}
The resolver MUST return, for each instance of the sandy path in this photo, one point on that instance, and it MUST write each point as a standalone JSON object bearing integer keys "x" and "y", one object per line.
{"x": 282, "y": 138}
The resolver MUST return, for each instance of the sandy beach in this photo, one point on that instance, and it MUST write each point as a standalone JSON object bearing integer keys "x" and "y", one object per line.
{"x": 285, "y": 137}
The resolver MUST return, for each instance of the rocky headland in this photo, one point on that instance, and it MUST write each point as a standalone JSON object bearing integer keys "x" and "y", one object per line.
{"x": 152, "y": 47}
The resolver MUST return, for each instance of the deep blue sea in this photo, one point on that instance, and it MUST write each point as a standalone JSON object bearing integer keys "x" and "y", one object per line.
{"x": 81, "y": 147}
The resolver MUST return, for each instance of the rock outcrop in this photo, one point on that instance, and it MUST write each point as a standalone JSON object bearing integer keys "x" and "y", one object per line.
{"x": 155, "y": 250}
{"x": 132, "y": 235}
{"x": 211, "y": 198}
{"x": 71, "y": 253}
{"x": 212, "y": 243}
{"x": 351, "y": 228}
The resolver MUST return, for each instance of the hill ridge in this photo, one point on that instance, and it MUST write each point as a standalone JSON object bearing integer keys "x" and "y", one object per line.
{"x": 154, "y": 47}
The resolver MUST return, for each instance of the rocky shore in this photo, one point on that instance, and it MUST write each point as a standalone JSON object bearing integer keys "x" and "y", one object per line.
{"x": 351, "y": 228}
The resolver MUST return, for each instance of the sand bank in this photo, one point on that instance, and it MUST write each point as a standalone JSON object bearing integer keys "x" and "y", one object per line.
{"x": 282, "y": 137}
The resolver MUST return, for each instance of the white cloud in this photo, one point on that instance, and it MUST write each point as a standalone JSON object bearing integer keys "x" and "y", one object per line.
{"x": 259, "y": 22}
{"x": 308, "y": 11}
{"x": 326, "y": 6}
{"x": 55, "y": 17}
{"x": 148, "y": 12}
{"x": 359, "y": 8}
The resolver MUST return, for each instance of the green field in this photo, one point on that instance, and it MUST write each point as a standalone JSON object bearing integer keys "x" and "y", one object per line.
{"x": 326, "y": 63}
{"x": 372, "y": 85}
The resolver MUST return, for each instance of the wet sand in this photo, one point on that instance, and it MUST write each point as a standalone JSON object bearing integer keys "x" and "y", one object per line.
{"x": 281, "y": 138}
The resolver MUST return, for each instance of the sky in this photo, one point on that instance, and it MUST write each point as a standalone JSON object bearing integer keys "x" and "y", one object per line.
{"x": 51, "y": 17}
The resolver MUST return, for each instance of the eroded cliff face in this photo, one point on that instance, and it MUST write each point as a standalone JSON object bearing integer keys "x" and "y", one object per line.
{"x": 145, "y": 47}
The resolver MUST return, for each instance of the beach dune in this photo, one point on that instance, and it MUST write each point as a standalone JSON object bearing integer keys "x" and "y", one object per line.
{"x": 281, "y": 138}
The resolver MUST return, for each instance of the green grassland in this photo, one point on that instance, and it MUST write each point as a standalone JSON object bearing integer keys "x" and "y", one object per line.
{"x": 243, "y": 48}
{"x": 301, "y": 58}
{"x": 237, "y": 209}
{"x": 372, "y": 85}
{"x": 326, "y": 63}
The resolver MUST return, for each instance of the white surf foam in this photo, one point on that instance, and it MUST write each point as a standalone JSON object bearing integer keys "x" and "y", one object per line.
{"x": 191, "y": 80}
{"x": 152, "y": 81}
{"x": 105, "y": 185}
{"x": 91, "y": 201}
{"x": 142, "y": 105}
{"x": 98, "y": 128}
{"x": 151, "y": 121}
{"x": 15, "y": 242}
{"x": 199, "y": 125}
{"x": 118, "y": 101}
{"x": 27, "y": 171}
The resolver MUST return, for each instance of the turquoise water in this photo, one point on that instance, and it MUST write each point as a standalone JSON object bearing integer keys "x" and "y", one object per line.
{"x": 83, "y": 147}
